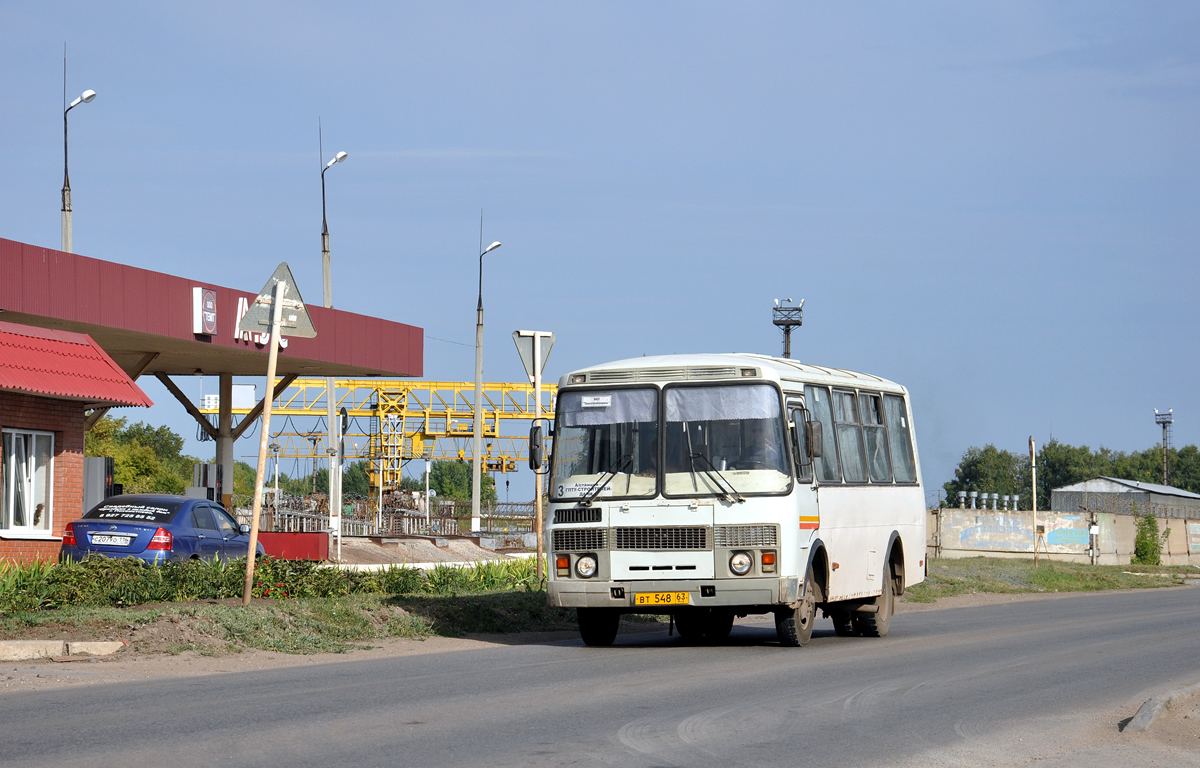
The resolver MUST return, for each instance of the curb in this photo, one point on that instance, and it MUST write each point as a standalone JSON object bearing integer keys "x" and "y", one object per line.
{"x": 27, "y": 650}
{"x": 1154, "y": 707}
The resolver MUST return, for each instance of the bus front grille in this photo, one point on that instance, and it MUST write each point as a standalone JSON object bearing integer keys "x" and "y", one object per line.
{"x": 663, "y": 538}
{"x": 746, "y": 536}
{"x": 579, "y": 539}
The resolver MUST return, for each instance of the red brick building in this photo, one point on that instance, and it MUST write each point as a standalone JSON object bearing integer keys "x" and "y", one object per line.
{"x": 48, "y": 380}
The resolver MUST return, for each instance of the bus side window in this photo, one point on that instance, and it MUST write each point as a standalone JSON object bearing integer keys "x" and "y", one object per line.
{"x": 800, "y": 444}
{"x": 899, "y": 439}
{"x": 826, "y": 465}
{"x": 849, "y": 438}
{"x": 876, "y": 438}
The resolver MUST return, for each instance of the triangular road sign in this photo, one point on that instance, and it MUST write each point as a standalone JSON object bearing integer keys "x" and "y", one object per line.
{"x": 294, "y": 321}
{"x": 524, "y": 342}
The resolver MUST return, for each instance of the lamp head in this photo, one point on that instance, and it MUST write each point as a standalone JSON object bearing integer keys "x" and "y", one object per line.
{"x": 88, "y": 96}
{"x": 491, "y": 247}
{"x": 339, "y": 157}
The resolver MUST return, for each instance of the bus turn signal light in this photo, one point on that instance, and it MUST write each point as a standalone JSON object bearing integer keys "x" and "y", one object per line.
{"x": 563, "y": 565}
{"x": 768, "y": 562}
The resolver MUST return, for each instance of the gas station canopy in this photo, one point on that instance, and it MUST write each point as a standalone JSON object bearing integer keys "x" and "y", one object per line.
{"x": 151, "y": 322}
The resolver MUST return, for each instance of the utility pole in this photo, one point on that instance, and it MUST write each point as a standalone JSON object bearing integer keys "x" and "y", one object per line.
{"x": 1033, "y": 468}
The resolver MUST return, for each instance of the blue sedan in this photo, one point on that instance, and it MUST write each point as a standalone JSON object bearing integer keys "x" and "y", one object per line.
{"x": 157, "y": 529}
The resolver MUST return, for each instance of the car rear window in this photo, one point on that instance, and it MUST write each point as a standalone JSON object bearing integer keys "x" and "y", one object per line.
{"x": 157, "y": 512}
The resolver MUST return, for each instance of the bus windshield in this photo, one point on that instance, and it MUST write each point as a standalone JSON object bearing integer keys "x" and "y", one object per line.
{"x": 606, "y": 444}
{"x": 729, "y": 436}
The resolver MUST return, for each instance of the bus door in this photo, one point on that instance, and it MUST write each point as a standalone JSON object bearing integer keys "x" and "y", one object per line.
{"x": 808, "y": 513}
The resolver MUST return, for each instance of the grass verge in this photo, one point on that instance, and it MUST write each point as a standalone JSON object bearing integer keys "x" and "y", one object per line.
{"x": 948, "y": 577}
{"x": 307, "y": 625}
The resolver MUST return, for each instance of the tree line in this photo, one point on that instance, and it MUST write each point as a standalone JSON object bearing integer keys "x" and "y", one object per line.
{"x": 995, "y": 470}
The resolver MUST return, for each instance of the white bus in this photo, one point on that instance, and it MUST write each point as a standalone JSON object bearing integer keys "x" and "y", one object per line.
{"x": 709, "y": 487}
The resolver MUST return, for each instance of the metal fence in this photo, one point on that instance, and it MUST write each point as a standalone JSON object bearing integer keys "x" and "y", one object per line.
{"x": 402, "y": 515}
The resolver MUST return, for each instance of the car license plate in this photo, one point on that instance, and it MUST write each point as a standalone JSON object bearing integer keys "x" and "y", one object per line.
{"x": 117, "y": 541}
{"x": 660, "y": 598}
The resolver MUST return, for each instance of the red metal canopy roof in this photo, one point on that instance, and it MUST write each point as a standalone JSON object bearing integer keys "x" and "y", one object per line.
{"x": 133, "y": 313}
{"x": 63, "y": 365}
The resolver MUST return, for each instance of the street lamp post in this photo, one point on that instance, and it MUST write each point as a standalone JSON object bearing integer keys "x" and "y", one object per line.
{"x": 335, "y": 463}
{"x": 85, "y": 98}
{"x": 477, "y": 427}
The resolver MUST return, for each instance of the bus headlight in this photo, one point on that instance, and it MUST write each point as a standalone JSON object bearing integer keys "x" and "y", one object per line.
{"x": 741, "y": 563}
{"x": 585, "y": 566}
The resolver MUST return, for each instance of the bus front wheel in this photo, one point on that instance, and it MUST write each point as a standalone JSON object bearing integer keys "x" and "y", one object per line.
{"x": 598, "y": 626}
{"x": 794, "y": 626}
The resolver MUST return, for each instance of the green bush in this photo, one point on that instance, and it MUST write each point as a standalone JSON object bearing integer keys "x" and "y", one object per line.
{"x": 101, "y": 581}
{"x": 1147, "y": 544}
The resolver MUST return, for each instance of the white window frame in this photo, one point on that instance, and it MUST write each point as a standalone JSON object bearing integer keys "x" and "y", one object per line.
{"x": 7, "y": 489}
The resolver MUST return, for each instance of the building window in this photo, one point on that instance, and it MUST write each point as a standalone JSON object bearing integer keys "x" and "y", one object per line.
{"x": 26, "y": 481}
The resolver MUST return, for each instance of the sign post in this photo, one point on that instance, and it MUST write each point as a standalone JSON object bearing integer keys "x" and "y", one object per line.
{"x": 534, "y": 348}
{"x": 273, "y": 309}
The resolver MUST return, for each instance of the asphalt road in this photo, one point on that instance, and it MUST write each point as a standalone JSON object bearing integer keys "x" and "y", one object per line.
{"x": 1013, "y": 681}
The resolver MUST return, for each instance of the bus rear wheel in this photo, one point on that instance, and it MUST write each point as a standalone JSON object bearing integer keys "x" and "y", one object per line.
{"x": 720, "y": 624}
{"x": 843, "y": 624}
{"x": 794, "y": 626}
{"x": 598, "y": 626}
{"x": 689, "y": 623}
{"x": 712, "y": 624}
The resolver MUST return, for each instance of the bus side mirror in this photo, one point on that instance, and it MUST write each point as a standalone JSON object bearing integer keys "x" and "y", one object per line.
{"x": 802, "y": 458}
{"x": 814, "y": 434}
{"x": 535, "y": 448}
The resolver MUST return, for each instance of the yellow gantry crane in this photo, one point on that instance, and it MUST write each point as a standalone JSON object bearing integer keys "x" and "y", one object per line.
{"x": 392, "y": 421}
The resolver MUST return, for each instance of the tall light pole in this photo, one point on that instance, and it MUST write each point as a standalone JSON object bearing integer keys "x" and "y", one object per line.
{"x": 339, "y": 157}
{"x": 477, "y": 427}
{"x": 335, "y": 459}
{"x": 85, "y": 98}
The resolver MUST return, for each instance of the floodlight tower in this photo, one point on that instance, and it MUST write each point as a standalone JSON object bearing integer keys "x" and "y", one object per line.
{"x": 788, "y": 317}
{"x": 1166, "y": 419}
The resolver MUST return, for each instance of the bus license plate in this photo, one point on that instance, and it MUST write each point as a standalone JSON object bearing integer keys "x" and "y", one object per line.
{"x": 119, "y": 541}
{"x": 660, "y": 598}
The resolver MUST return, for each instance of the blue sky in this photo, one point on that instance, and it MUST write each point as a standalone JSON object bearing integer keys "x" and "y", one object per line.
{"x": 993, "y": 204}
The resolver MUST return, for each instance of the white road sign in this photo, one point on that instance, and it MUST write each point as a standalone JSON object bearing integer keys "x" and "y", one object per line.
{"x": 525, "y": 344}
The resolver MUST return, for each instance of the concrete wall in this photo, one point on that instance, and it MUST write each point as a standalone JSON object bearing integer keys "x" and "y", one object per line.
{"x": 973, "y": 532}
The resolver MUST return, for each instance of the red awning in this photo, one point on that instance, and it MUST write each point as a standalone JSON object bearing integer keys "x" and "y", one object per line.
{"x": 64, "y": 365}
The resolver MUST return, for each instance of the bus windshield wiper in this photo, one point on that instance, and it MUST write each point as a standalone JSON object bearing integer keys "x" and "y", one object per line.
{"x": 713, "y": 471}
{"x": 590, "y": 495}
